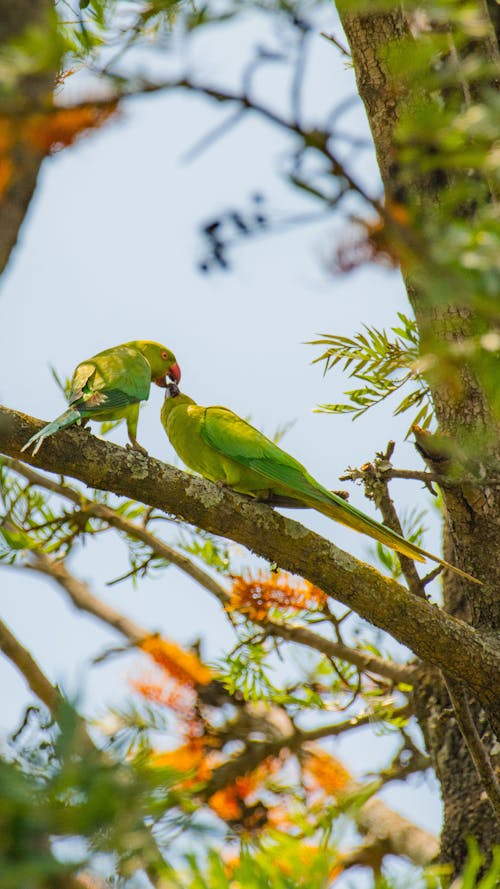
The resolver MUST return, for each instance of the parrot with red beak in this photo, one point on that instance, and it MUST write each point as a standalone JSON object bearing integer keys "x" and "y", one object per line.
{"x": 111, "y": 385}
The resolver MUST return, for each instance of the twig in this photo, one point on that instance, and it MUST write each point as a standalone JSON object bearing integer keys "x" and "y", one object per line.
{"x": 478, "y": 752}
{"x": 353, "y": 474}
{"x": 376, "y": 486}
{"x": 332, "y": 39}
{"x": 131, "y": 529}
{"x": 368, "y": 663}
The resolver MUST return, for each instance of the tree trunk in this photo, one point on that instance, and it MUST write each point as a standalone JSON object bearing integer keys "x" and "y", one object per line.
{"x": 471, "y": 535}
{"x": 20, "y": 159}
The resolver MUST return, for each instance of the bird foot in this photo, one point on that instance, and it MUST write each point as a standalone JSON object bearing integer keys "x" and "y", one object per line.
{"x": 135, "y": 446}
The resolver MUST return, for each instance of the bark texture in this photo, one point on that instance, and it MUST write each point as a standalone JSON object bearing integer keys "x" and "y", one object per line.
{"x": 20, "y": 160}
{"x": 473, "y": 512}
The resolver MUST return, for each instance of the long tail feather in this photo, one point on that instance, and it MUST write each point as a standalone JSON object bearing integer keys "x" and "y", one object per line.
{"x": 354, "y": 518}
{"x": 66, "y": 419}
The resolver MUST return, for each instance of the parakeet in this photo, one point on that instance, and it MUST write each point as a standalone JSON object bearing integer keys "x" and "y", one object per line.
{"x": 111, "y": 385}
{"x": 224, "y": 448}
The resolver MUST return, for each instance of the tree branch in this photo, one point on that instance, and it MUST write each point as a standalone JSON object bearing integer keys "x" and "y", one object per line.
{"x": 32, "y": 90}
{"x": 293, "y": 633}
{"x": 462, "y": 652}
{"x": 26, "y": 664}
{"x": 131, "y": 529}
{"x": 367, "y": 663}
{"x": 478, "y": 752}
{"x": 377, "y": 489}
{"x": 401, "y": 836}
{"x": 257, "y": 751}
{"x": 83, "y": 599}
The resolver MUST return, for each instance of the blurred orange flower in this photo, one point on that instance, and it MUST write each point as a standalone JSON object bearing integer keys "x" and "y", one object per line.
{"x": 256, "y": 595}
{"x": 179, "y": 699}
{"x": 190, "y": 758}
{"x": 44, "y": 132}
{"x": 231, "y": 802}
{"x": 183, "y": 665}
{"x": 324, "y": 771}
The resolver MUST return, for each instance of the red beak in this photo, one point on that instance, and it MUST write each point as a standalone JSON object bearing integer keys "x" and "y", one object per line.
{"x": 175, "y": 373}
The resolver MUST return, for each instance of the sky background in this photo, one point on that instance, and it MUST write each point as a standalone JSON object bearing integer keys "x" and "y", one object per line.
{"x": 110, "y": 252}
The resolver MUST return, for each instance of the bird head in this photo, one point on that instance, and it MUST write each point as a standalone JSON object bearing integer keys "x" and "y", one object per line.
{"x": 162, "y": 362}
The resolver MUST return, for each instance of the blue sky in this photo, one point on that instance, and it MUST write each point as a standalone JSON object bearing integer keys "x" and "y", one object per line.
{"x": 108, "y": 253}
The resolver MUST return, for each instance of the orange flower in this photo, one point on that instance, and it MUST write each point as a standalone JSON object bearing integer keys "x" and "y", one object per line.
{"x": 52, "y": 130}
{"x": 179, "y": 699}
{"x": 190, "y": 757}
{"x": 44, "y": 132}
{"x": 255, "y": 596}
{"x": 226, "y": 804}
{"x": 325, "y": 772}
{"x": 231, "y": 802}
{"x": 176, "y": 661}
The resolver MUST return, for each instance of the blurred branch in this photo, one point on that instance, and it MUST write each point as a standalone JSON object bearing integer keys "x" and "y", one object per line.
{"x": 32, "y": 88}
{"x": 26, "y": 664}
{"x": 258, "y": 751}
{"x": 400, "y": 836}
{"x": 83, "y": 599}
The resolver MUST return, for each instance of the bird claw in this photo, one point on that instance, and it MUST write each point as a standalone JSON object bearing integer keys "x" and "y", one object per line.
{"x": 135, "y": 446}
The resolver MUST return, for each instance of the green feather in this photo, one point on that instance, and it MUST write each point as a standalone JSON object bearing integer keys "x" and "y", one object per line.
{"x": 222, "y": 447}
{"x": 110, "y": 386}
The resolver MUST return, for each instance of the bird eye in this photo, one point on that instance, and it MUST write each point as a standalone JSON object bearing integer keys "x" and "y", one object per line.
{"x": 164, "y": 355}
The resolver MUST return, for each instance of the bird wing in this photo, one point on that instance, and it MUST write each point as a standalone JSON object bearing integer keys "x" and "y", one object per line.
{"x": 230, "y": 435}
{"x": 233, "y": 437}
{"x": 113, "y": 379}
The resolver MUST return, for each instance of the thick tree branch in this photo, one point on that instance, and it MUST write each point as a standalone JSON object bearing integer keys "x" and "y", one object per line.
{"x": 401, "y": 836}
{"x": 462, "y": 651}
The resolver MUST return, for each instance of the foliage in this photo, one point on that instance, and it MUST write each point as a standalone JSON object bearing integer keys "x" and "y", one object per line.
{"x": 383, "y": 365}
{"x": 228, "y": 752}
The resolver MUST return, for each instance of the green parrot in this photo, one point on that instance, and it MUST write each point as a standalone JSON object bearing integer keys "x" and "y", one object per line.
{"x": 224, "y": 448}
{"x": 111, "y": 385}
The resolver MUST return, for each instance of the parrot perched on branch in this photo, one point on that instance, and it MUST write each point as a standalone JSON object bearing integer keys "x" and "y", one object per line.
{"x": 224, "y": 448}
{"x": 111, "y": 385}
